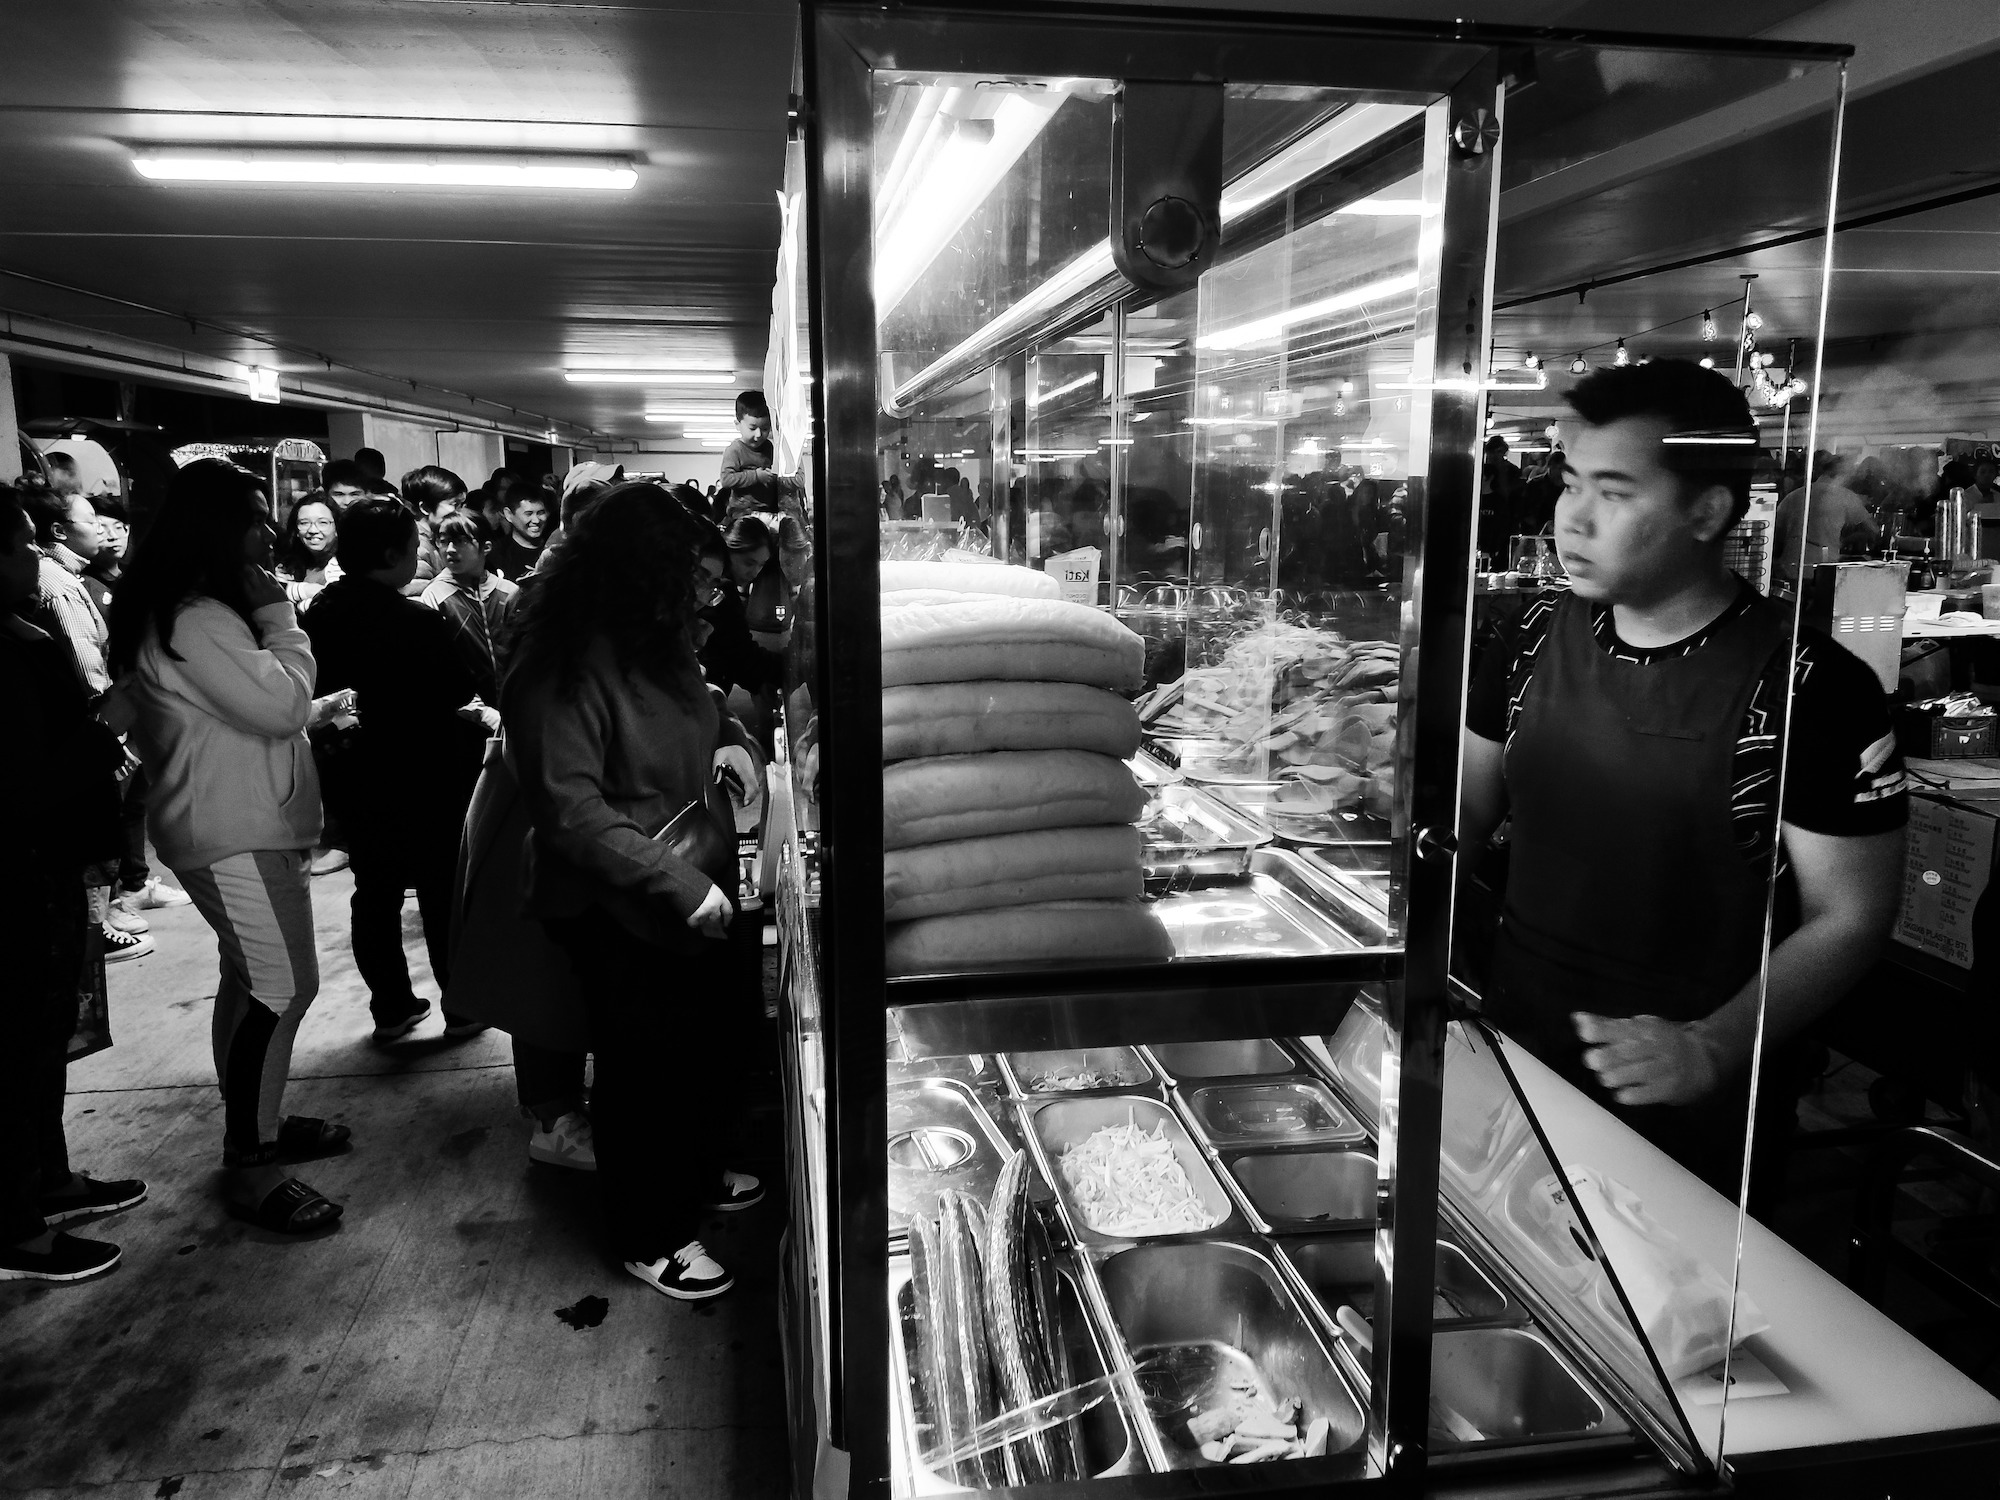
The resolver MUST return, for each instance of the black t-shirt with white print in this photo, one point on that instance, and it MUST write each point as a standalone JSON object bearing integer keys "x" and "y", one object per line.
{"x": 1843, "y": 773}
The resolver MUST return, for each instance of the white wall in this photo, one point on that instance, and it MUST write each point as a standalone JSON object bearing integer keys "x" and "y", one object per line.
{"x": 411, "y": 445}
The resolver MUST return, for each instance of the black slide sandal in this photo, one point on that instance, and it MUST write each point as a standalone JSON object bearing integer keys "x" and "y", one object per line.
{"x": 303, "y": 1138}
{"x": 279, "y": 1209}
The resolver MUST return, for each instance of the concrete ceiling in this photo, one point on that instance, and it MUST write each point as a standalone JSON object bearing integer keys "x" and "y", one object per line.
{"x": 472, "y": 290}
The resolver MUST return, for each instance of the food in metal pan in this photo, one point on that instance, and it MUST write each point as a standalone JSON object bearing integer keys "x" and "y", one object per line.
{"x": 1213, "y": 1400}
{"x": 1126, "y": 1182}
{"x": 1293, "y": 702}
{"x": 959, "y": 1332}
{"x": 1021, "y": 1333}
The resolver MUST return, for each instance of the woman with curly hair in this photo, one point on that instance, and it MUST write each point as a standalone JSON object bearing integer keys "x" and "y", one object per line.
{"x": 617, "y": 743}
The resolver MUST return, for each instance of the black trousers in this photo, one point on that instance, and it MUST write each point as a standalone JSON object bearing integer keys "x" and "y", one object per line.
{"x": 547, "y": 1079}
{"x": 133, "y": 871}
{"x": 44, "y": 915}
{"x": 657, "y": 1021}
{"x": 391, "y": 855}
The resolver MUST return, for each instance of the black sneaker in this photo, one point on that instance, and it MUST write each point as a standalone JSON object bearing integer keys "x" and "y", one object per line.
{"x": 96, "y": 1198}
{"x": 739, "y": 1190}
{"x": 68, "y": 1259}
{"x": 399, "y": 1027}
{"x": 688, "y": 1275}
{"x": 457, "y": 1027}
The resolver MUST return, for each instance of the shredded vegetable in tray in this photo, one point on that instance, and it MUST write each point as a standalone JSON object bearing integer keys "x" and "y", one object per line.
{"x": 1126, "y": 1182}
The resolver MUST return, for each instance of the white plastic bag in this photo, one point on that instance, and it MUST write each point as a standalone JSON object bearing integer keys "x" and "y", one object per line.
{"x": 1681, "y": 1302}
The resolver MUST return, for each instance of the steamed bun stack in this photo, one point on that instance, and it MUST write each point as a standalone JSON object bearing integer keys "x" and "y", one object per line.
{"x": 1007, "y": 806}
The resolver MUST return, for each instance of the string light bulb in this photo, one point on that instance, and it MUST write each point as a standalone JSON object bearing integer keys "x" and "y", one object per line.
{"x": 1753, "y": 321}
{"x": 1621, "y": 357}
{"x": 1577, "y": 366}
{"x": 1531, "y": 360}
{"x": 1708, "y": 362}
{"x": 1708, "y": 329}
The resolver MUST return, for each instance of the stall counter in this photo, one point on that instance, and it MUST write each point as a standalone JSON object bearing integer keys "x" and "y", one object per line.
{"x": 1854, "y": 1376}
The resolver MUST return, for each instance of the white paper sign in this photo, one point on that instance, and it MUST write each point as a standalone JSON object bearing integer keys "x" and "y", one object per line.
{"x": 1076, "y": 574}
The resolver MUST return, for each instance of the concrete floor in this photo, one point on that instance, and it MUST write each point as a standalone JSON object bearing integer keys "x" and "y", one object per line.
{"x": 417, "y": 1351}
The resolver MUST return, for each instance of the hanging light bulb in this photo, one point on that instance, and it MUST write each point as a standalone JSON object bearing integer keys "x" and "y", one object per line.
{"x": 1708, "y": 362}
{"x": 1621, "y": 357}
{"x": 1531, "y": 360}
{"x": 1339, "y": 407}
{"x": 1708, "y": 332}
{"x": 1577, "y": 366}
{"x": 1753, "y": 321}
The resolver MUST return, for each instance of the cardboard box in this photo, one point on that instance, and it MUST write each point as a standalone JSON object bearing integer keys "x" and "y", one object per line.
{"x": 1947, "y": 866}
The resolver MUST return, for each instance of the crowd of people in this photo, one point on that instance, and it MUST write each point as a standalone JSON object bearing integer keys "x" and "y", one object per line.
{"x": 514, "y": 703}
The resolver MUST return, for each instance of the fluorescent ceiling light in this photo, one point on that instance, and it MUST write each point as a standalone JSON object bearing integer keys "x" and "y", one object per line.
{"x": 958, "y": 147}
{"x": 1340, "y": 136}
{"x": 339, "y": 166}
{"x": 690, "y": 414}
{"x": 1263, "y": 330}
{"x": 649, "y": 377}
{"x": 607, "y": 362}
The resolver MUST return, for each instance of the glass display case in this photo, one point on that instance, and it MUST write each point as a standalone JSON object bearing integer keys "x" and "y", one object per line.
{"x": 1140, "y": 1126}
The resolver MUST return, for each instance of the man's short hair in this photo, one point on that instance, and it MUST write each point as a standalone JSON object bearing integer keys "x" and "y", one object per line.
{"x": 519, "y": 491}
{"x": 752, "y": 404}
{"x": 1694, "y": 403}
{"x": 1498, "y": 444}
{"x": 465, "y": 526}
{"x": 372, "y": 531}
{"x": 429, "y": 487}
{"x": 61, "y": 462}
{"x": 345, "y": 471}
{"x": 112, "y": 507}
{"x": 373, "y": 464}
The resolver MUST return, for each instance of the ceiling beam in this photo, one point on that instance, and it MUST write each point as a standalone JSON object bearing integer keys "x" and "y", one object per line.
{"x": 1889, "y": 51}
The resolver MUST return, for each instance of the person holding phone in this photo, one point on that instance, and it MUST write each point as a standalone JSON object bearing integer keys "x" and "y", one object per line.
{"x": 214, "y": 682}
{"x": 616, "y": 742}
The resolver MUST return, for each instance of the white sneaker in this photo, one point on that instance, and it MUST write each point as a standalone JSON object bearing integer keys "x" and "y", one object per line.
{"x": 688, "y": 1275}
{"x": 126, "y": 920}
{"x": 739, "y": 1190}
{"x": 154, "y": 894}
{"x": 567, "y": 1143}
{"x": 119, "y": 946}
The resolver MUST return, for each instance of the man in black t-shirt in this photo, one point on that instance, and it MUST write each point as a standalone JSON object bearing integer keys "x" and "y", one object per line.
{"x": 1629, "y": 733}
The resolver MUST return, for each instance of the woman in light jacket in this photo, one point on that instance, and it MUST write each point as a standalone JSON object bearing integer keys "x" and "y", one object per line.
{"x": 613, "y": 735}
{"x": 215, "y": 685}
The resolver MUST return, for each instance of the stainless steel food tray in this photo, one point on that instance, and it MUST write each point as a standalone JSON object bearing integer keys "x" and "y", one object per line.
{"x": 1224, "y": 1302}
{"x": 940, "y": 1136}
{"x": 1053, "y": 1125}
{"x": 1110, "y": 1435}
{"x": 1189, "y": 835}
{"x": 1025, "y": 1069}
{"x": 1338, "y": 1269}
{"x": 1280, "y": 909}
{"x": 1189, "y": 1063}
{"x": 1271, "y": 1114}
{"x": 1285, "y": 1192}
{"x": 1257, "y": 802}
{"x": 1195, "y": 760}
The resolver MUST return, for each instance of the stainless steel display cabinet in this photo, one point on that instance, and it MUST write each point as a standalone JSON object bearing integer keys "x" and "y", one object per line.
{"x": 1199, "y": 307}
